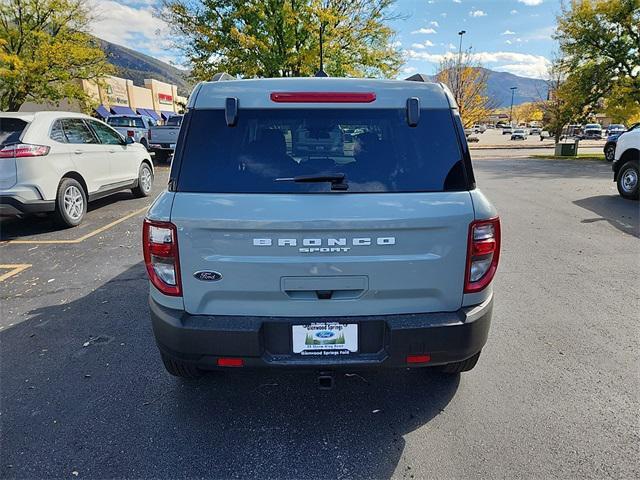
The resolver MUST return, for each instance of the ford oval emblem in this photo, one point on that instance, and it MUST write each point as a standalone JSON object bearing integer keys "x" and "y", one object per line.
{"x": 208, "y": 276}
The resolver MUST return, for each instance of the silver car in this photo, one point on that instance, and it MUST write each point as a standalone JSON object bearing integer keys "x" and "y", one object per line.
{"x": 136, "y": 127}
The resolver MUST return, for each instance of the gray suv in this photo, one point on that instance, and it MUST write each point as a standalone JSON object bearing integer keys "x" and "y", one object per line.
{"x": 321, "y": 223}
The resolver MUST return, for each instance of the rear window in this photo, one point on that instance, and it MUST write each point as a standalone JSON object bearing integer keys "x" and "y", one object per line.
{"x": 174, "y": 121}
{"x": 134, "y": 122}
{"x": 11, "y": 129}
{"x": 375, "y": 149}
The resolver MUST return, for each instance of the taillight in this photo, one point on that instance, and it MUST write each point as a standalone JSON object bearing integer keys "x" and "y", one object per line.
{"x": 19, "y": 150}
{"x": 131, "y": 133}
{"x": 483, "y": 254}
{"x": 160, "y": 247}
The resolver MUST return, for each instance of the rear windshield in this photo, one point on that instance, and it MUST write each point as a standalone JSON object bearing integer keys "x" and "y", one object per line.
{"x": 135, "y": 122}
{"x": 11, "y": 129}
{"x": 174, "y": 121}
{"x": 375, "y": 149}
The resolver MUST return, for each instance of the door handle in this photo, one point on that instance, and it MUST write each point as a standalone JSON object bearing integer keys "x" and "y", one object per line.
{"x": 77, "y": 152}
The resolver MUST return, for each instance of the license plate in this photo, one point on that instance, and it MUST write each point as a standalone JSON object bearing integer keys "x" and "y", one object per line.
{"x": 172, "y": 145}
{"x": 325, "y": 338}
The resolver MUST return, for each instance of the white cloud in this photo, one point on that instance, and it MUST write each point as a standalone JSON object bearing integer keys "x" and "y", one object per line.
{"x": 431, "y": 2}
{"x": 514, "y": 12}
{"x": 443, "y": 15}
{"x": 508, "y": 32}
{"x": 477, "y": 13}
{"x": 524, "y": 64}
{"x": 135, "y": 28}
{"x": 531, "y": 3}
{"x": 421, "y": 46}
{"x": 457, "y": 1}
{"x": 451, "y": 46}
{"x": 434, "y": 23}
{"x": 508, "y": 42}
{"x": 409, "y": 70}
{"x": 395, "y": 44}
{"x": 424, "y": 30}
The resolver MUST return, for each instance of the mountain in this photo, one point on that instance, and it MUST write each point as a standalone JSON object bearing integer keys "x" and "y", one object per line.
{"x": 529, "y": 89}
{"x": 137, "y": 66}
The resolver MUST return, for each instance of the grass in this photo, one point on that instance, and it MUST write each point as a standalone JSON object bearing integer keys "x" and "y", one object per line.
{"x": 580, "y": 156}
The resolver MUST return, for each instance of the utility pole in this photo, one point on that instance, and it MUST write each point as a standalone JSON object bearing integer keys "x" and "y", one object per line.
{"x": 513, "y": 90}
{"x": 457, "y": 92}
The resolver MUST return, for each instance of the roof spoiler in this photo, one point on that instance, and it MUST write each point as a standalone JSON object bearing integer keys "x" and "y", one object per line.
{"x": 418, "y": 77}
{"x": 219, "y": 77}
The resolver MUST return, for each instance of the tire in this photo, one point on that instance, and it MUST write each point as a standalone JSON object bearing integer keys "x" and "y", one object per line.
{"x": 145, "y": 181}
{"x": 71, "y": 203}
{"x": 463, "y": 366}
{"x": 609, "y": 152}
{"x": 180, "y": 369}
{"x": 627, "y": 180}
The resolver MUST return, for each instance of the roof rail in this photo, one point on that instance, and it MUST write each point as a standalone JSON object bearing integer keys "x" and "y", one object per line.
{"x": 219, "y": 77}
{"x": 418, "y": 77}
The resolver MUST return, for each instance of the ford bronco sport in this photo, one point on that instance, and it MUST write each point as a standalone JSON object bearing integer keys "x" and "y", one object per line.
{"x": 321, "y": 223}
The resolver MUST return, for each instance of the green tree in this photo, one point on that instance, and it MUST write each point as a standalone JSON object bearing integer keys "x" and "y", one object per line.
{"x": 556, "y": 110}
{"x": 280, "y": 38}
{"x": 45, "y": 51}
{"x": 600, "y": 47}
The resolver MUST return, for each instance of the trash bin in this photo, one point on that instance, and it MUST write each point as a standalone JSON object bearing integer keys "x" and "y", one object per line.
{"x": 567, "y": 149}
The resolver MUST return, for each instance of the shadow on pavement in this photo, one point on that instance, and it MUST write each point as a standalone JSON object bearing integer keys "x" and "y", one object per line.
{"x": 545, "y": 168}
{"x": 83, "y": 390}
{"x": 12, "y": 228}
{"x": 620, "y": 213}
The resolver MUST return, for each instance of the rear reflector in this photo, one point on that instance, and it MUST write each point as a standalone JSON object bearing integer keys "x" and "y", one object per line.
{"x": 230, "y": 362}
{"x": 323, "y": 97}
{"x": 21, "y": 150}
{"x": 418, "y": 358}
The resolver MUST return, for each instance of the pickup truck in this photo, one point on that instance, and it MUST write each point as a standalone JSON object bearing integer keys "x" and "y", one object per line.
{"x": 162, "y": 139}
{"x": 134, "y": 126}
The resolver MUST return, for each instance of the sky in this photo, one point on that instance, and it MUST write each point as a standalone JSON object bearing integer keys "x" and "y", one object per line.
{"x": 512, "y": 36}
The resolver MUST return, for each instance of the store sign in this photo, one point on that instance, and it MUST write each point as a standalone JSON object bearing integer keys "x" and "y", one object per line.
{"x": 165, "y": 99}
{"x": 117, "y": 93}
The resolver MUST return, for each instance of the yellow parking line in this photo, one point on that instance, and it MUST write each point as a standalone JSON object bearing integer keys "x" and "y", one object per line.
{"x": 14, "y": 269}
{"x": 81, "y": 239}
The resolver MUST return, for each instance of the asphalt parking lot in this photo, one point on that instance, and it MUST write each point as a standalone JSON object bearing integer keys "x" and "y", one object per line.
{"x": 555, "y": 394}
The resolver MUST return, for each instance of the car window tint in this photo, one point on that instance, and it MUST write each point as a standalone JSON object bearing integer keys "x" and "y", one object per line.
{"x": 374, "y": 148}
{"x": 133, "y": 122}
{"x": 57, "y": 133}
{"x": 106, "y": 135}
{"x": 77, "y": 132}
{"x": 174, "y": 121}
{"x": 11, "y": 129}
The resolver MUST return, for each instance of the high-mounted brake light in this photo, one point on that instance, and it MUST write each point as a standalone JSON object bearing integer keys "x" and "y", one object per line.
{"x": 323, "y": 97}
{"x": 160, "y": 248}
{"x": 482, "y": 255}
{"x": 20, "y": 150}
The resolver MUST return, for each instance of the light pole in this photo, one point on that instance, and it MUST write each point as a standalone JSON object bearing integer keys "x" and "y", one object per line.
{"x": 457, "y": 93}
{"x": 513, "y": 90}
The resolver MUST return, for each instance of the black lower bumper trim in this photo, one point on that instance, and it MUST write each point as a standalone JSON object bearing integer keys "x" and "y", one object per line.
{"x": 384, "y": 340}
{"x": 14, "y": 205}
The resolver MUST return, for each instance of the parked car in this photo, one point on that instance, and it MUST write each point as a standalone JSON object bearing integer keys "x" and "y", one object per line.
{"x": 519, "y": 134}
{"x": 134, "y": 126}
{"x": 58, "y": 161}
{"x": 626, "y": 163}
{"x": 479, "y": 128}
{"x": 507, "y": 130}
{"x": 535, "y": 131}
{"x": 162, "y": 139}
{"x": 592, "y": 131}
{"x": 615, "y": 129}
{"x": 266, "y": 251}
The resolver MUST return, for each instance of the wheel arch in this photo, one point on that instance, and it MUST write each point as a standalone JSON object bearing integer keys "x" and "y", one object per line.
{"x": 630, "y": 154}
{"x": 76, "y": 176}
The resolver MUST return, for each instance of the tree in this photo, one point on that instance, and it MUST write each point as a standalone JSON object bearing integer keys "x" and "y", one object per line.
{"x": 280, "y": 38}
{"x": 528, "y": 112}
{"x": 467, "y": 81}
{"x": 600, "y": 47}
{"x": 556, "y": 110}
{"x": 45, "y": 51}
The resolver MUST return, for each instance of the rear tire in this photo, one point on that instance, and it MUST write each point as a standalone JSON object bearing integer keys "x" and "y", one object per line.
{"x": 628, "y": 180}
{"x": 609, "y": 152}
{"x": 71, "y": 203}
{"x": 145, "y": 181}
{"x": 463, "y": 366}
{"x": 180, "y": 369}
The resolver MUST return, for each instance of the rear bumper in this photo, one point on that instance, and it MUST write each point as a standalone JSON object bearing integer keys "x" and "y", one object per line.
{"x": 15, "y": 205}
{"x": 384, "y": 341}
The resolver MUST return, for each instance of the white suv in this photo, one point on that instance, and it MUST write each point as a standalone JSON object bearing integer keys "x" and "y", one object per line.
{"x": 58, "y": 161}
{"x": 626, "y": 162}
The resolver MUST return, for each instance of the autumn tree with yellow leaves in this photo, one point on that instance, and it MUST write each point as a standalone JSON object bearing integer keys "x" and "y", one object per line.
{"x": 45, "y": 51}
{"x": 467, "y": 81}
{"x": 280, "y": 38}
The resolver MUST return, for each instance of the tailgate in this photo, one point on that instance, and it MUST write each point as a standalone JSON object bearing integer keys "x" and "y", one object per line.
{"x": 324, "y": 255}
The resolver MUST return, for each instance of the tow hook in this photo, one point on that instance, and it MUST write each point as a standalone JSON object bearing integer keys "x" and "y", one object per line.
{"x": 326, "y": 381}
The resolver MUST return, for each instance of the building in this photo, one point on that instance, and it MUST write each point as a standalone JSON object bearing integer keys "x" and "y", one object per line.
{"x": 114, "y": 95}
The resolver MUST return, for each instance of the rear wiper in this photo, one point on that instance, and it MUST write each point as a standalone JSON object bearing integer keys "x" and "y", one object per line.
{"x": 338, "y": 180}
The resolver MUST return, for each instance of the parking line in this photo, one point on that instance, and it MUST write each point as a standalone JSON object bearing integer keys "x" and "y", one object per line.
{"x": 81, "y": 239}
{"x": 14, "y": 269}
